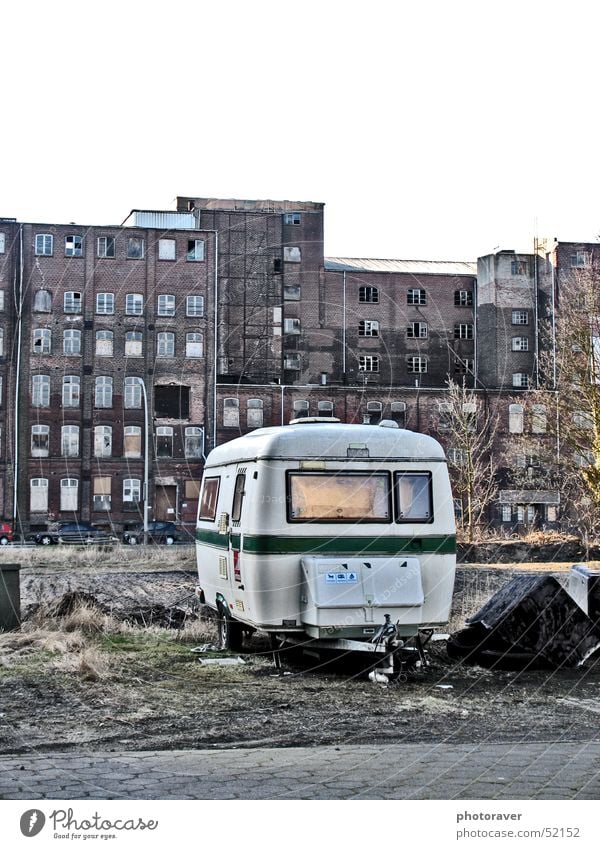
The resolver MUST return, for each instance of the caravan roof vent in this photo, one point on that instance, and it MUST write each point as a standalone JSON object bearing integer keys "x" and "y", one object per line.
{"x": 315, "y": 420}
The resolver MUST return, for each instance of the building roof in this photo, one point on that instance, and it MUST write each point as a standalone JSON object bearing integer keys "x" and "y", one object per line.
{"x": 407, "y": 266}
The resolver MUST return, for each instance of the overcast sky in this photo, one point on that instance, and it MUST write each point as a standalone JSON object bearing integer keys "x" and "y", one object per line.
{"x": 434, "y": 129}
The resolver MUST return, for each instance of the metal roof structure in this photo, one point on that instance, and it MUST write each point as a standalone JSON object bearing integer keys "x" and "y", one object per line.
{"x": 406, "y": 266}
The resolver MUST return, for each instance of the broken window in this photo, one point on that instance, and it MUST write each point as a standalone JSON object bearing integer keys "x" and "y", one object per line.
{"x": 172, "y": 402}
{"x": 194, "y": 442}
{"x": 102, "y": 441}
{"x": 73, "y": 246}
{"x": 42, "y": 341}
{"x": 195, "y": 251}
{"x": 40, "y": 440}
{"x": 164, "y": 441}
{"x": 106, "y": 247}
{"x": 72, "y": 302}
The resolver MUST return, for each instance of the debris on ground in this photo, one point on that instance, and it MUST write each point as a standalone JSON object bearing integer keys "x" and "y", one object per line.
{"x": 531, "y": 621}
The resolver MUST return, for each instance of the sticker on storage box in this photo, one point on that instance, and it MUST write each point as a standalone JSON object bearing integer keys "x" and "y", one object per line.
{"x": 341, "y": 578}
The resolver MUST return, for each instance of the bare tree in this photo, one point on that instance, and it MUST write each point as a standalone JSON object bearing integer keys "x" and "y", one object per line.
{"x": 467, "y": 429}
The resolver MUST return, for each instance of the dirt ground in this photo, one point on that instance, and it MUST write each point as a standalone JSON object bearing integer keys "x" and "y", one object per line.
{"x": 109, "y": 685}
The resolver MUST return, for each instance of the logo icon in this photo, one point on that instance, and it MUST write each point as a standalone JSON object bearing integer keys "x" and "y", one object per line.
{"x": 32, "y": 822}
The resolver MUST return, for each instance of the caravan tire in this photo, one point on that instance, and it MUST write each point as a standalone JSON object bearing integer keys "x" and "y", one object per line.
{"x": 230, "y": 632}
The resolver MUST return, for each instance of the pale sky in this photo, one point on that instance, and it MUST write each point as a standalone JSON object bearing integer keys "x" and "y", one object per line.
{"x": 431, "y": 130}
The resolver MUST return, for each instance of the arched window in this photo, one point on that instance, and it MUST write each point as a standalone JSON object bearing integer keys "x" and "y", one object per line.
{"x": 132, "y": 394}
{"x": 40, "y": 390}
{"x": 515, "y": 418}
{"x": 40, "y": 440}
{"x": 104, "y": 343}
{"x": 103, "y": 392}
{"x": 69, "y": 489}
{"x": 38, "y": 495}
{"x": 102, "y": 441}
{"x": 72, "y": 342}
{"x": 254, "y": 412}
{"x": 231, "y": 412}
{"x": 42, "y": 301}
{"x": 69, "y": 440}
{"x": 132, "y": 441}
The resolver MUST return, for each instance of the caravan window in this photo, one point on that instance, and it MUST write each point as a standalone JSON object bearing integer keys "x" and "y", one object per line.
{"x": 238, "y": 497}
{"x": 414, "y": 502}
{"x": 210, "y": 495}
{"x": 329, "y": 497}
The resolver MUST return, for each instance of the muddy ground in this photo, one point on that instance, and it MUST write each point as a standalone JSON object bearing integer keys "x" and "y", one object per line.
{"x": 145, "y": 689}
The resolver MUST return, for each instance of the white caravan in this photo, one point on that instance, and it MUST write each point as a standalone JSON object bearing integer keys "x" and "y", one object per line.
{"x": 325, "y": 531}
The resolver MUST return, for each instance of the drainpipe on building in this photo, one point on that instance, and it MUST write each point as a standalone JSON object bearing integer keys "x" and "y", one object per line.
{"x": 344, "y": 327}
{"x": 216, "y": 337}
{"x": 19, "y": 306}
{"x": 536, "y": 314}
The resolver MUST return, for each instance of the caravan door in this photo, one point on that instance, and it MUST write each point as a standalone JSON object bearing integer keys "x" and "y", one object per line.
{"x": 236, "y": 534}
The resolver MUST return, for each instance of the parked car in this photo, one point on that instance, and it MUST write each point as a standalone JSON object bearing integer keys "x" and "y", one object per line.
{"x": 158, "y": 532}
{"x": 73, "y": 532}
{"x": 6, "y": 533}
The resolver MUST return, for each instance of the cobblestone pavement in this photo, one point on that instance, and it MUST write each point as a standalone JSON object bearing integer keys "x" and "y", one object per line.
{"x": 411, "y": 771}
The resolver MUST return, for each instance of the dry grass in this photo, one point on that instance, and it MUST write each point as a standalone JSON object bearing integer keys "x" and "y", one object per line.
{"x": 61, "y": 557}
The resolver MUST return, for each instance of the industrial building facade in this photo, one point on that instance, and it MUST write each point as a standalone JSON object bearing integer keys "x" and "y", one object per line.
{"x": 127, "y": 352}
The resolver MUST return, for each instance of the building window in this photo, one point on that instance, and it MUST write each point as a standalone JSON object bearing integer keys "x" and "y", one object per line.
{"x": 194, "y": 442}
{"x": 44, "y": 244}
{"x": 368, "y": 363}
{"x": 520, "y": 380}
{"x": 1, "y": 341}
{"x": 40, "y": 440}
{"x": 191, "y": 490}
{"x": 134, "y": 304}
{"x": 103, "y": 394}
{"x": 194, "y": 306}
{"x": 102, "y": 441}
{"x": 368, "y": 295}
{"x": 165, "y": 345}
{"x": 457, "y": 456}
{"x": 133, "y": 343}
{"x": 69, "y": 441}
{"x": 301, "y": 409}
{"x": 291, "y": 218}
{"x": 106, "y": 247}
{"x": 520, "y": 317}
{"x": 231, "y": 412}
{"x": 551, "y": 513}
{"x": 135, "y": 247}
{"x": 515, "y": 418}
{"x": 102, "y": 493}
{"x": 2, "y": 243}
{"x": 506, "y": 513}
{"x": 194, "y": 345}
{"x": 416, "y": 365}
{"x": 105, "y": 303}
{"x": 291, "y": 362}
{"x": 166, "y": 249}
{"x": 520, "y": 343}
{"x": 166, "y": 305}
{"x": 71, "y": 384}
{"x": 42, "y": 301}
{"x": 40, "y": 392}
{"x": 291, "y": 325}
{"x": 325, "y": 408}
{"x": 398, "y": 411}
{"x": 581, "y": 259}
{"x": 38, "y": 495}
{"x": 444, "y": 416}
{"x": 69, "y": 488}
{"x": 73, "y": 246}
{"x": 132, "y": 393}
{"x": 172, "y": 401}
{"x": 463, "y": 331}
{"x": 518, "y": 267}
{"x": 164, "y": 441}
{"x": 374, "y": 410}
{"x": 104, "y": 343}
{"x": 132, "y": 492}
{"x": 1, "y": 388}
{"x": 464, "y": 365}
{"x": 368, "y": 328}
{"x": 538, "y": 418}
{"x": 469, "y": 410}
{"x": 417, "y": 330}
{"x": 195, "y": 250}
{"x": 292, "y": 253}
{"x": 463, "y": 298}
{"x": 292, "y": 293}
{"x": 72, "y": 302}
{"x": 132, "y": 441}
{"x": 583, "y": 420}
{"x": 416, "y": 297}
{"x": 42, "y": 341}
{"x": 72, "y": 342}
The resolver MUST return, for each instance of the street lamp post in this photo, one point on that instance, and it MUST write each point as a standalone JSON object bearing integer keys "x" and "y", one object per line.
{"x": 146, "y": 458}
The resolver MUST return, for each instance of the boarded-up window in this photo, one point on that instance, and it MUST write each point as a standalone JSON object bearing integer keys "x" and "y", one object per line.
{"x": 102, "y": 493}
{"x": 38, "y": 495}
{"x": 515, "y": 418}
{"x": 68, "y": 494}
{"x": 538, "y": 419}
{"x": 132, "y": 441}
{"x": 231, "y": 412}
{"x": 104, "y": 343}
{"x": 192, "y": 490}
{"x": 255, "y": 412}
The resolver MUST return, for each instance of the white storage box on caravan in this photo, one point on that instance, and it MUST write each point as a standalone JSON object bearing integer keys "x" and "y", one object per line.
{"x": 322, "y": 528}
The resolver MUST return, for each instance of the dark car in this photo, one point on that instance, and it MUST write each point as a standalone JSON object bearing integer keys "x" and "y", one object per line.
{"x": 82, "y": 533}
{"x": 158, "y": 532}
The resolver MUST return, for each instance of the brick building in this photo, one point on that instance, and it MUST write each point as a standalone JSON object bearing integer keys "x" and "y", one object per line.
{"x": 225, "y": 315}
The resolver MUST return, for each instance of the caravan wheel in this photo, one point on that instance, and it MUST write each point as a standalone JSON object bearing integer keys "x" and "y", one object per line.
{"x": 230, "y": 632}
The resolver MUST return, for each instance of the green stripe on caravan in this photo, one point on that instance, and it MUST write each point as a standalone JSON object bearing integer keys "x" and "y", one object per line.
{"x": 342, "y": 546}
